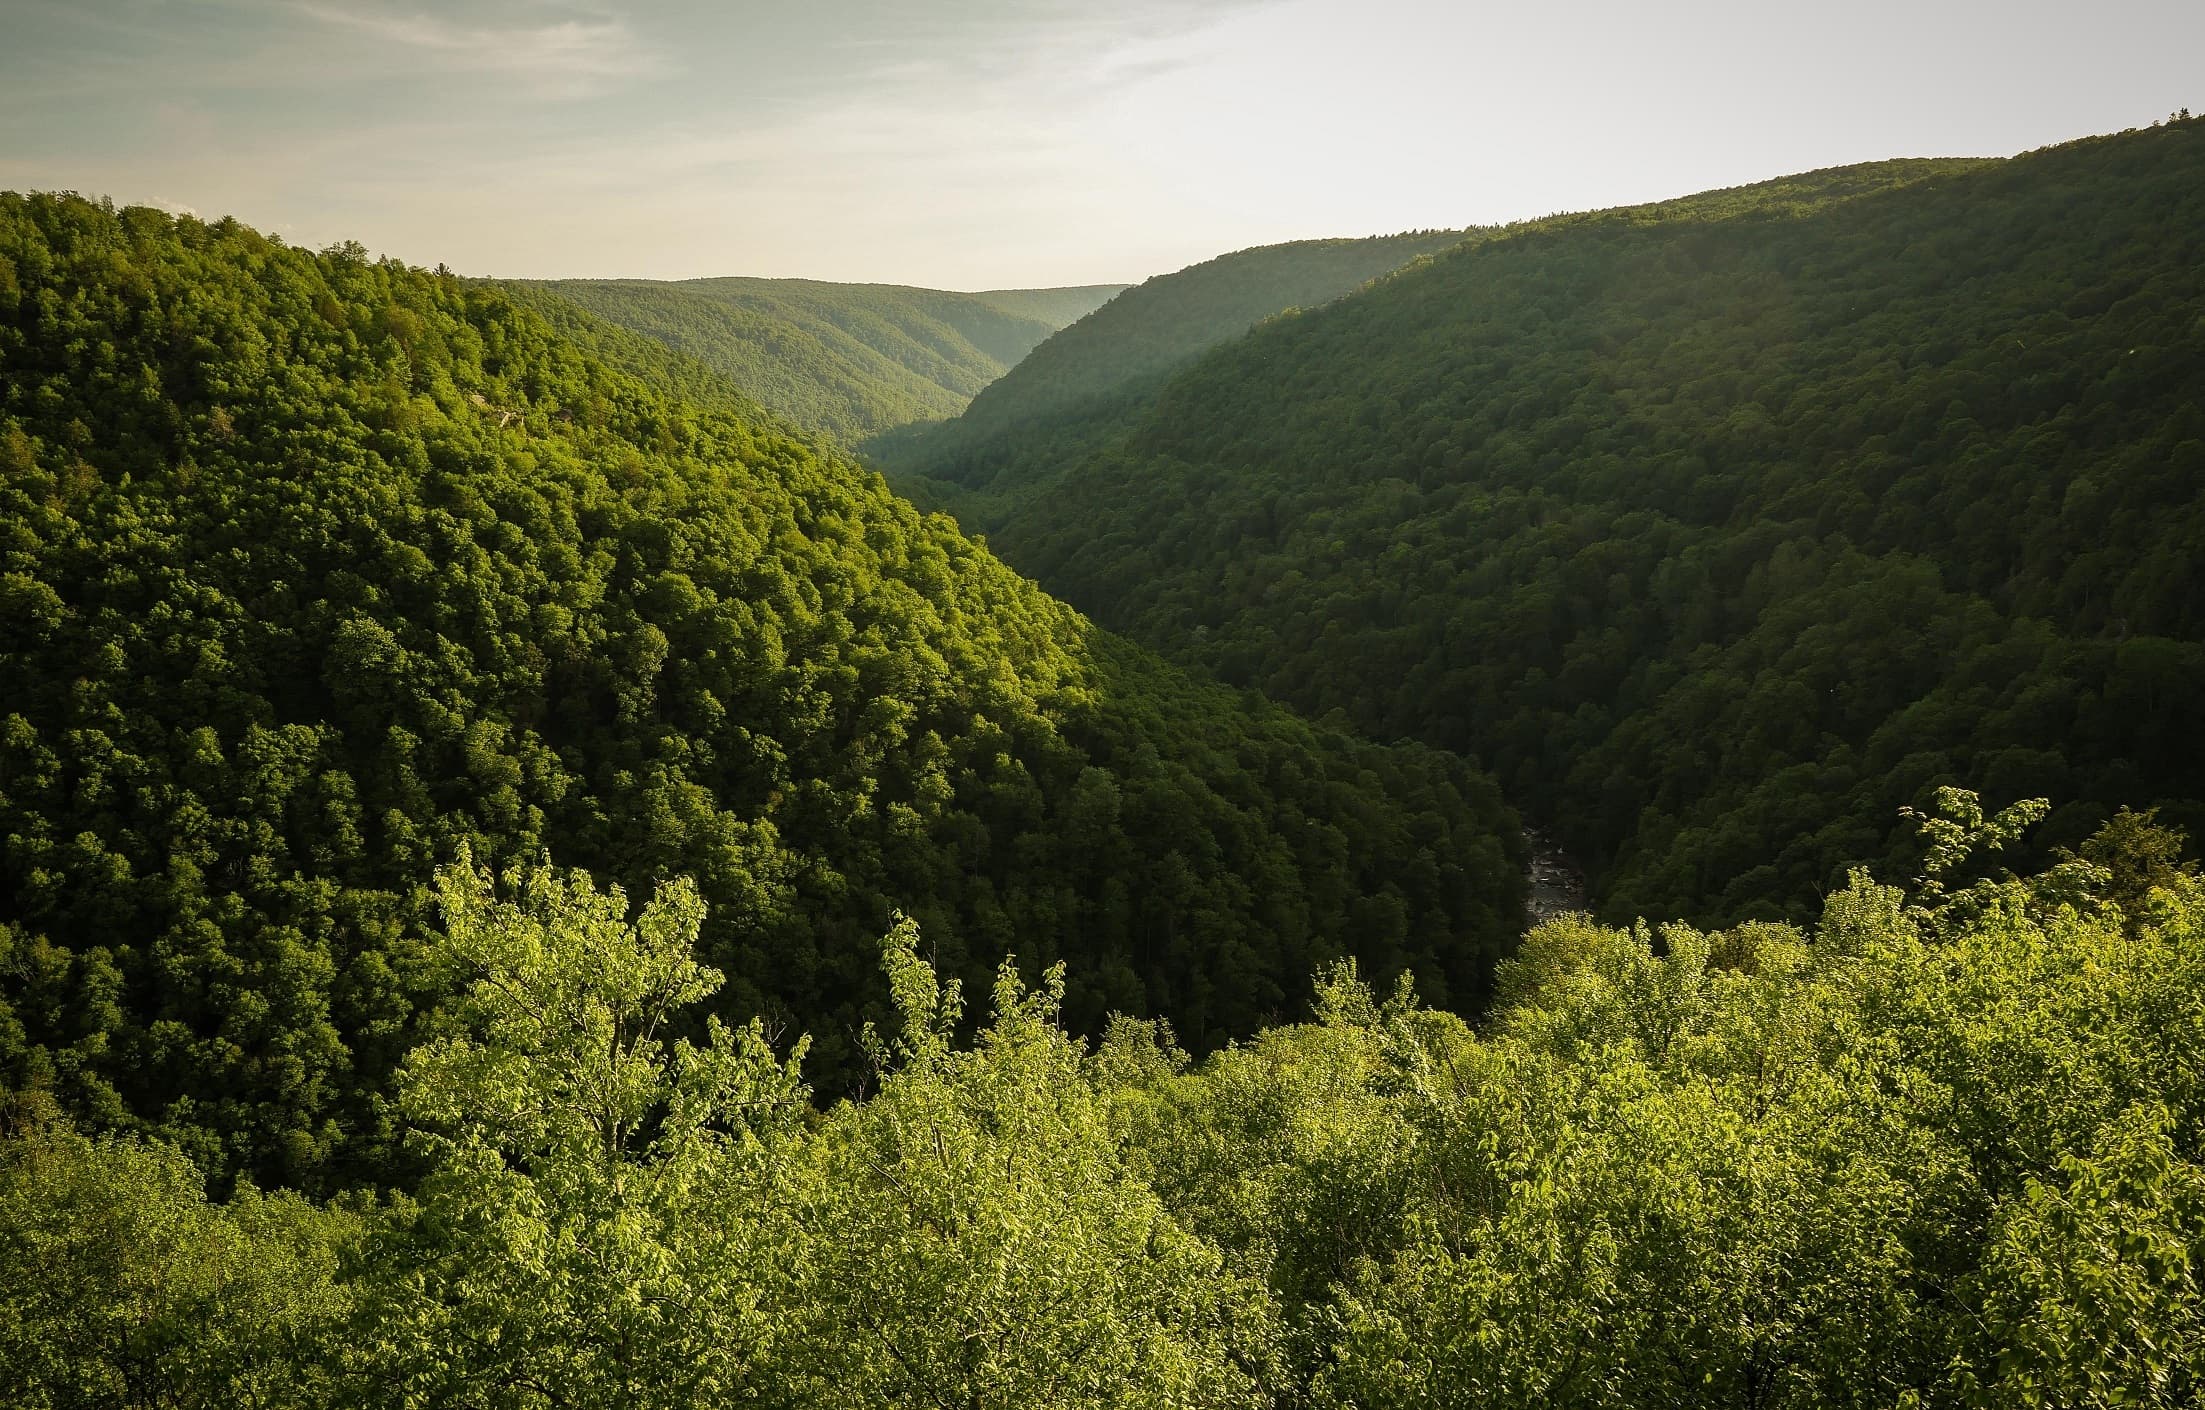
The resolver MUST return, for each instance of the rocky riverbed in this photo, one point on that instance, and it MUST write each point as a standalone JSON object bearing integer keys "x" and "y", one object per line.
{"x": 1557, "y": 887}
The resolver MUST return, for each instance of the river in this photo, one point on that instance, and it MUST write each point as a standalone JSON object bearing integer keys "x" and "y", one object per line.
{"x": 1556, "y": 886}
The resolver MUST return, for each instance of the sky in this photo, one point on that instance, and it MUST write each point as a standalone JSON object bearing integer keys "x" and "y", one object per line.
{"x": 973, "y": 144}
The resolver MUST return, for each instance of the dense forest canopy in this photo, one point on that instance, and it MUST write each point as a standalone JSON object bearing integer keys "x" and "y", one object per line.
{"x": 529, "y": 879}
{"x": 318, "y": 570}
{"x": 1941, "y": 1150}
{"x": 1719, "y": 529}
{"x": 1084, "y": 374}
{"x": 848, "y": 359}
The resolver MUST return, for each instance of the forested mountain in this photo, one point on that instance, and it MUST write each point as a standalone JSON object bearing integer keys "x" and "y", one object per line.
{"x": 318, "y": 571}
{"x": 1718, "y": 530}
{"x": 1091, "y": 371}
{"x": 849, "y": 359}
{"x": 347, "y": 611}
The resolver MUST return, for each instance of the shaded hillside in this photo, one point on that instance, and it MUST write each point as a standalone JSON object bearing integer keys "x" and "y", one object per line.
{"x": 849, "y": 359}
{"x": 1720, "y": 529}
{"x": 1093, "y": 369}
{"x": 316, "y": 570}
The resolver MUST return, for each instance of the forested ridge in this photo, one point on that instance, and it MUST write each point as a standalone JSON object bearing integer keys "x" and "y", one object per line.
{"x": 848, "y": 359}
{"x": 317, "y": 570}
{"x": 1719, "y": 529}
{"x": 1083, "y": 376}
{"x": 1086, "y": 383}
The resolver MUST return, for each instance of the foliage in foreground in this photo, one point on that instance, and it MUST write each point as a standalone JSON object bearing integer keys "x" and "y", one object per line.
{"x": 1942, "y": 1150}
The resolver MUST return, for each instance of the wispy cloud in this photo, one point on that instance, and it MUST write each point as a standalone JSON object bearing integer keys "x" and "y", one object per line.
{"x": 559, "y": 58}
{"x": 1076, "y": 43}
{"x": 988, "y": 143}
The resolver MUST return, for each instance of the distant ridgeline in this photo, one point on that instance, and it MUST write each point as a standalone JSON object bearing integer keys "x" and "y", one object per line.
{"x": 1718, "y": 530}
{"x": 314, "y": 569}
{"x": 848, "y": 359}
{"x": 1069, "y": 391}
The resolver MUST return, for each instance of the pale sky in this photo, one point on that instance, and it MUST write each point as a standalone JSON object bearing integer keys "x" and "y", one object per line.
{"x": 1013, "y": 143}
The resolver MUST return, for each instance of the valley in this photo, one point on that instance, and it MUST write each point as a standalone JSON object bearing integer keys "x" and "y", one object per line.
{"x": 751, "y": 842}
{"x": 1718, "y": 531}
{"x": 850, "y": 360}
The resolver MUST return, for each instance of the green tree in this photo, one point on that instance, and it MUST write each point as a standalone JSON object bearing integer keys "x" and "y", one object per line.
{"x": 2091, "y": 1286}
{"x": 594, "y": 1231}
{"x": 123, "y": 1286}
{"x": 979, "y": 1238}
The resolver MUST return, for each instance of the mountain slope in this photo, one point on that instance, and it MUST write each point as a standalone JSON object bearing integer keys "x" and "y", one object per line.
{"x": 1720, "y": 529}
{"x": 849, "y": 359}
{"x": 1059, "y": 308}
{"x": 1089, "y": 371}
{"x": 316, "y": 571}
